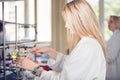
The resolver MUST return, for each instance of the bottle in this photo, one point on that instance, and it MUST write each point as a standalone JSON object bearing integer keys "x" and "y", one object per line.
{"x": 44, "y": 58}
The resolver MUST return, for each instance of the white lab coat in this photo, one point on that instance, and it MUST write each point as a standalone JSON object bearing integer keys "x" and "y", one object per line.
{"x": 113, "y": 53}
{"x": 86, "y": 62}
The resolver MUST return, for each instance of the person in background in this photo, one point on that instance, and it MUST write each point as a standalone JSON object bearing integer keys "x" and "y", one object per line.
{"x": 87, "y": 58}
{"x": 113, "y": 49}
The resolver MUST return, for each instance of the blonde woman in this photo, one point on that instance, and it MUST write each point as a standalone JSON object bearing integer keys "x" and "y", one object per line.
{"x": 87, "y": 50}
{"x": 113, "y": 49}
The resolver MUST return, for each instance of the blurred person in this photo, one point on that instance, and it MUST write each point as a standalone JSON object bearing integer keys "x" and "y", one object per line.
{"x": 113, "y": 49}
{"x": 87, "y": 58}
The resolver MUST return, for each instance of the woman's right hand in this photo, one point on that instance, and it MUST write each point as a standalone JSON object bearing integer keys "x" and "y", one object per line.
{"x": 39, "y": 50}
{"x": 25, "y": 63}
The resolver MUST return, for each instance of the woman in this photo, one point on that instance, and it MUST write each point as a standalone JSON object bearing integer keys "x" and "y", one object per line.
{"x": 113, "y": 49}
{"x": 87, "y": 50}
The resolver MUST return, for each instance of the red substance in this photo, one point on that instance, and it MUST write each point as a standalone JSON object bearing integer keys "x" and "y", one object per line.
{"x": 41, "y": 52}
{"x": 47, "y": 68}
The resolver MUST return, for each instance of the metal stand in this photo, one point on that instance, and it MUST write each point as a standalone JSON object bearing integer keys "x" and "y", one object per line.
{"x": 4, "y": 61}
{"x": 4, "y": 55}
{"x": 4, "y": 46}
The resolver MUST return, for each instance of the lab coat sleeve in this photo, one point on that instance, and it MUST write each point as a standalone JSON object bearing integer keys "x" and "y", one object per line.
{"x": 113, "y": 49}
{"x": 57, "y": 64}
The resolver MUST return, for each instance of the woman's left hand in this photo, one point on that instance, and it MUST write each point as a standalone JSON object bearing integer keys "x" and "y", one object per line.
{"x": 39, "y": 50}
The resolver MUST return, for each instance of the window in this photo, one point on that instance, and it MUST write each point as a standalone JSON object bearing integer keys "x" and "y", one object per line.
{"x": 44, "y": 20}
{"x": 95, "y": 5}
{"x": 111, "y": 8}
{"x": 24, "y": 14}
{"x": 9, "y": 17}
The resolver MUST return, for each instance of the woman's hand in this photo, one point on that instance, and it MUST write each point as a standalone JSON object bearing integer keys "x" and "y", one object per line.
{"x": 41, "y": 50}
{"x": 26, "y": 63}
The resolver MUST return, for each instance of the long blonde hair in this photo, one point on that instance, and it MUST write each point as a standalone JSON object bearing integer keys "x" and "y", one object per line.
{"x": 83, "y": 22}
